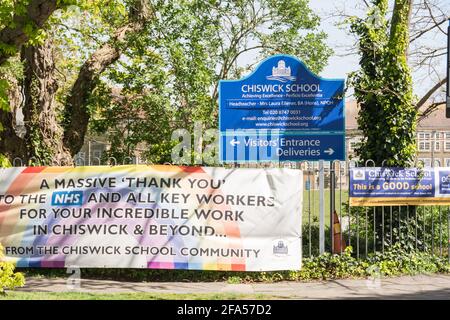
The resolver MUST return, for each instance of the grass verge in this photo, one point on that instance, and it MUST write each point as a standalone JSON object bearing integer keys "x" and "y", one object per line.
{"x": 17, "y": 295}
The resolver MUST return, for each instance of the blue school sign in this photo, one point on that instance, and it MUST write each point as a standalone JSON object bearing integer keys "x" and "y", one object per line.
{"x": 281, "y": 112}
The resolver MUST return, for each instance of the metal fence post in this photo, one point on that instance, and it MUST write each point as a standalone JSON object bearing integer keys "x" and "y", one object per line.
{"x": 310, "y": 171}
{"x": 448, "y": 234}
{"x": 332, "y": 203}
{"x": 321, "y": 208}
{"x": 440, "y": 231}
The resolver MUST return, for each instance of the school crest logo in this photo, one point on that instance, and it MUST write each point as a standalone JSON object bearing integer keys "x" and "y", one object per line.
{"x": 281, "y": 73}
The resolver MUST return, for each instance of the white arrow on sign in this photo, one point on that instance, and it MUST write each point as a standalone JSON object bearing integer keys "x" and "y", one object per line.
{"x": 234, "y": 142}
{"x": 329, "y": 151}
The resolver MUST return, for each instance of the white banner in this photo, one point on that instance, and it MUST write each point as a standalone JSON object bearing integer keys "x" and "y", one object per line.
{"x": 159, "y": 217}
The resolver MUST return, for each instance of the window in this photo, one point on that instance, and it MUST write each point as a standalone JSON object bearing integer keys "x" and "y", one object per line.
{"x": 437, "y": 162}
{"x": 80, "y": 159}
{"x": 437, "y": 135}
{"x": 425, "y": 145}
{"x": 437, "y": 146}
{"x": 424, "y": 141}
{"x": 424, "y": 135}
{"x": 447, "y": 162}
{"x": 81, "y": 155}
{"x": 97, "y": 154}
{"x": 446, "y": 142}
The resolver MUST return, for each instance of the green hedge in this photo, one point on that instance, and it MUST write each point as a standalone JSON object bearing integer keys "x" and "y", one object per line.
{"x": 397, "y": 260}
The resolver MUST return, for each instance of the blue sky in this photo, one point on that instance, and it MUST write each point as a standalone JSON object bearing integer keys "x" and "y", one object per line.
{"x": 340, "y": 65}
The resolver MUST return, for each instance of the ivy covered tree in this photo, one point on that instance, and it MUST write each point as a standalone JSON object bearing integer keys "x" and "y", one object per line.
{"x": 20, "y": 21}
{"x": 383, "y": 85}
{"x": 56, "y": 120}
{"x": 388, "y": 114}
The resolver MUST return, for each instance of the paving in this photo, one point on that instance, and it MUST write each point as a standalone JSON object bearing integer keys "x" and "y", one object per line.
{"x": 407, "y": 287}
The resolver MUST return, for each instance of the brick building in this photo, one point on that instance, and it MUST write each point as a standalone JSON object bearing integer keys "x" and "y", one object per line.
{"x": 433, "y": 136}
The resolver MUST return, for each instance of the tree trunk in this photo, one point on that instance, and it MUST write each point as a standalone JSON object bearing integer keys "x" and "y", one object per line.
{"x": 43, "y": 136}
{"x": 11, "y": 145}
{"x": 45, "y": 142}
{"x": 38, "y": 11}
{"x": 399, "y": 35}
{"x": 76, "y": 114}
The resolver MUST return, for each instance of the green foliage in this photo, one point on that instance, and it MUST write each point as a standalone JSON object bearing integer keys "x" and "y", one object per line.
{"x": 332, "y": 266}
{"x": 169, "y": 74}
{"x": 7, "y": 49}
{"x": 11, "y": 8}
{"x": 7, "y": 10}
{"x": 4, "y": 162}
{"x": 77, "y": 28}
{"x": 9, "y": 70}
{"x": 414, "y": 228}
{"x": 383, "y": 86}
{"x": 395, "y": 261}
{"x": 4, "y": 102}
{"x": 8, "y": 278}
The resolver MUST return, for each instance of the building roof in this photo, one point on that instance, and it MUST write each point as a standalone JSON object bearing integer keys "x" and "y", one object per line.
{"x": 435, "y": 121}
